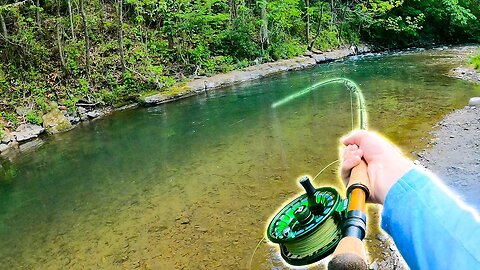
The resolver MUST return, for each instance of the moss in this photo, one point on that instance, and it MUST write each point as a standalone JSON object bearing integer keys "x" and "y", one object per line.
{"x": 177, "y": 89}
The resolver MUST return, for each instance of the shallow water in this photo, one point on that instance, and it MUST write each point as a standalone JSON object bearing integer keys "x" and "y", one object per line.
{"x": 192, "y": 184}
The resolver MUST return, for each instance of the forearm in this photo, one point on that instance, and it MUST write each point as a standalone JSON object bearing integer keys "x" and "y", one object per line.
{"x": 431, "y": 229}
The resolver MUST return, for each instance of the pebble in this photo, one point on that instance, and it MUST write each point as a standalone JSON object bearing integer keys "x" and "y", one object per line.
{"x": 381, "y": 237}
{"x": 184, "y": 221}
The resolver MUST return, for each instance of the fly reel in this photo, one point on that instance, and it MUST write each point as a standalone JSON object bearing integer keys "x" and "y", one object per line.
{"x": 310, "y": 227}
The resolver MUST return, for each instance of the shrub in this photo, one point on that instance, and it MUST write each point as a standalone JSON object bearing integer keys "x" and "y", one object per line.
{"x": 475, "y": 61}
{"x": 33, "y": 118}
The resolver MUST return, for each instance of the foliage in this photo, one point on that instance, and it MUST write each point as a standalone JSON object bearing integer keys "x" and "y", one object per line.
{"x": 43, "y": 50}
{"x": 33, "y": 118}
{"x": 475, "y": 61}
{"x": 430, "y": 21}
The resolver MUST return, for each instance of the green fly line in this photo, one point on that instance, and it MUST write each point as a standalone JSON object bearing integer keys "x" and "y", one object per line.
{"x": 351, "y": 86}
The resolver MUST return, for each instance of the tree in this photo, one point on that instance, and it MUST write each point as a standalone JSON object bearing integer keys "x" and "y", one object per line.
{"x": 120, "y": 36}
{"x": 59, "y": 30}
{"x": 87, "y": 40}
{"x": 70, "y": 15}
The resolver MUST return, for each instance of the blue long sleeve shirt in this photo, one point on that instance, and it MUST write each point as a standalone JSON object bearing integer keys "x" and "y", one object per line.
{"x": 431, "y": 228}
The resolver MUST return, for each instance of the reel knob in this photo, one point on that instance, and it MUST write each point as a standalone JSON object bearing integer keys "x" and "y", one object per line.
{"x": 316, "y": 207}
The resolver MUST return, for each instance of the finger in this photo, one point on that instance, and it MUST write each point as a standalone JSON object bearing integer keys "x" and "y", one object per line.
{"x": 351, "y": 147}
{"x": 351, "y": 153}
{"x": 347, "y": 166}
{"x": 354, "y": 137}
{"x": 351, "y": 162}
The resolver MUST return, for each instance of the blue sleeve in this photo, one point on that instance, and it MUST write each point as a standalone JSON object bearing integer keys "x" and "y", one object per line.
{"x": 431, "y": 228}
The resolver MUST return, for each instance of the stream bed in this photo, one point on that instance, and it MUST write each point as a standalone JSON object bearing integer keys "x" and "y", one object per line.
{"x": 192, "y": 184}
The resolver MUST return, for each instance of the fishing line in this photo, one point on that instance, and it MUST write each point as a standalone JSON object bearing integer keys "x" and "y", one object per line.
{"x": 253, "y": 254}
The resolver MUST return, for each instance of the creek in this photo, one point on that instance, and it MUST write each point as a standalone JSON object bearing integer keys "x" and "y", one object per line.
{"x": 192, "y": 184}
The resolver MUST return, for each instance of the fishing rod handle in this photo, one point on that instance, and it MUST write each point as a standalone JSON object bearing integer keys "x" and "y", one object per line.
{"x": 350, "y": 252}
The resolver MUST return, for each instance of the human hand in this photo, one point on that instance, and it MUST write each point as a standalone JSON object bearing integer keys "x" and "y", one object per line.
{"x": 385, "y": 162}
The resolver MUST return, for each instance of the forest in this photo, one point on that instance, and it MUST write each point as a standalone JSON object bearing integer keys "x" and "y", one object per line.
{"x": 111, "y": 52}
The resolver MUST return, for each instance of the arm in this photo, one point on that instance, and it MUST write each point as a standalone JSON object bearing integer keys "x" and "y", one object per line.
{"x": 431, "y": 229}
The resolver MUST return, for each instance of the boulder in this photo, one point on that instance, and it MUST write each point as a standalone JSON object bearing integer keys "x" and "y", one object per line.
{"x": 7, "y": 137}
{"x": 31, "y": 145}
{"x": 25, "y": 132}
{"x": 3, "y": 147}
{"x": 319, "y": 58}
{"x": 82, "y": 112}
{"x": 94, "y": 114}
{"x": 156, "y": 99}
{"x": 474, "y": 101}
{"x": 55, "y": 122}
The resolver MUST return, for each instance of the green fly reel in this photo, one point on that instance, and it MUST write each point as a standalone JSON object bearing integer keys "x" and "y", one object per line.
{"x": 309, "y": 228}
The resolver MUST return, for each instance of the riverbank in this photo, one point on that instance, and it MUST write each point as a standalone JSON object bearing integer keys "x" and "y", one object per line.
{"x": 60, "y": 120}
{"x": 466, "y": 73}
{"x": 453, "y": 153}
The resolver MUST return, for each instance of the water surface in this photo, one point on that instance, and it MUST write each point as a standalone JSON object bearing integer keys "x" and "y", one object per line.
{"x": 192, "y": 184}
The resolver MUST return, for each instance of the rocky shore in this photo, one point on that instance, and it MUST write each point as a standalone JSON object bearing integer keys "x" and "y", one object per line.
{"x": 453, "y": 153}
{"x": 60, "y": 120}
{"x": 466, "y": 73}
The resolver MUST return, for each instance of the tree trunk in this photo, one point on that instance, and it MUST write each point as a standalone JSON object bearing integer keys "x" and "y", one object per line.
{"x": 70, "y": 14}
{"x": 39, "y": 22}
{"x": 4, "y": 27}
{"x": 102, "y": 15}
{"x": 319, "y": 28}
{"x": 171, "y": 43}
{"x": 264, "y": 27}
{"x": 233, "y": 9}
{"x": 59, "y": 36}
{"x": 332, "y": 17}
{"x": 307, "y": 18}
{"x": 87, "y": 40}
{"x": 120, "y": 35}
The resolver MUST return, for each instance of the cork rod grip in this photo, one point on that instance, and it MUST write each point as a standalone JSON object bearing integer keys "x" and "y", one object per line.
{"x": 359, "y": 175}
{"x": 350, "y": 252}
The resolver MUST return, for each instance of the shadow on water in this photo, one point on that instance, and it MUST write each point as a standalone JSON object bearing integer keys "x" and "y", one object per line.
{"x": 192, "y": 184}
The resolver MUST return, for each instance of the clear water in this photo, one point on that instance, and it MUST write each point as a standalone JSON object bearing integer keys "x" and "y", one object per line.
{"x": 192, "y": 184}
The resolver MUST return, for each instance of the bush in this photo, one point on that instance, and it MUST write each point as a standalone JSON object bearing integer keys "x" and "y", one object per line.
{"x": 33, "y": 118}
{"x": 475, "y": 61}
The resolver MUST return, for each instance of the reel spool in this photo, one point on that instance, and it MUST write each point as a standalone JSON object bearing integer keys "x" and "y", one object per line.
{"x": 310, "y": 227}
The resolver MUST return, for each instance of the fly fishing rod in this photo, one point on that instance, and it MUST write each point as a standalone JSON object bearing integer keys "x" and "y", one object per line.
{"x": 319, "y": 222}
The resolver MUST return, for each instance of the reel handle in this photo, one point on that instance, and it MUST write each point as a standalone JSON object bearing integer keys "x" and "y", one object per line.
{"x": 350, "y": 252}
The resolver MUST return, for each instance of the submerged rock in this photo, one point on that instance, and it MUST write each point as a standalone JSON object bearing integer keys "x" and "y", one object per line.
{"x": 25, "y": 132}
{"x": 55, "y": 122}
